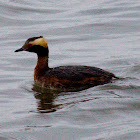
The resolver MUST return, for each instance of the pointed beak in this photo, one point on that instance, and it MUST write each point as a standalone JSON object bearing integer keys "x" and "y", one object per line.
{"x": 19, "y": 50}
{"x": 25, "y": 47}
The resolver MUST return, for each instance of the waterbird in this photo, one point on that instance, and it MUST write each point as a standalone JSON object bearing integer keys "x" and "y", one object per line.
{"x": 63, "y": 78}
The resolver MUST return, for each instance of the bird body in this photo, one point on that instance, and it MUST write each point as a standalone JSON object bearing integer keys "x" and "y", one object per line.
{"x": 65, "y": 78}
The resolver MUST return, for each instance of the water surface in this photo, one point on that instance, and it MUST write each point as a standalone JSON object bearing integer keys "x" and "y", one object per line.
{"x": 102, "y": 33}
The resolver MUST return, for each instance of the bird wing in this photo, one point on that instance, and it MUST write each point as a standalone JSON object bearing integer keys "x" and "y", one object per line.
{"x": 76, "y": 72}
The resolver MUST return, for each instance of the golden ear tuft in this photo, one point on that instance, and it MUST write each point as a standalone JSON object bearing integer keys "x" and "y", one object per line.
{"x": 40, "y": 41}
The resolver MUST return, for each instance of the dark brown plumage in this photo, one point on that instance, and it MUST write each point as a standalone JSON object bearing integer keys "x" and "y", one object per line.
{"x": 65, "y": 78}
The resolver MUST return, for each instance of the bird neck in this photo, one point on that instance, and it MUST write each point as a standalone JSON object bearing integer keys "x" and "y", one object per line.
{"x": 42, "y": 62}
{"x": 41, "y": 67}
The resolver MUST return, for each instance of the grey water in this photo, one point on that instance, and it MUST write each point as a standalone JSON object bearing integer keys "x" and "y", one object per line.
{"x": 104, "y": 34}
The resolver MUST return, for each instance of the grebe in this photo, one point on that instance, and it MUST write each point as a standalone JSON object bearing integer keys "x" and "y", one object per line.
{"x": 64, "y": 78}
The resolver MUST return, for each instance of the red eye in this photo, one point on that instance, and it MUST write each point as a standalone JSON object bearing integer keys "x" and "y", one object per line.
{"x": 30, "y": 45}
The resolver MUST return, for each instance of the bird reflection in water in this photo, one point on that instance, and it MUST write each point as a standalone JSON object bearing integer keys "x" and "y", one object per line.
{"x": 45, "y": 99}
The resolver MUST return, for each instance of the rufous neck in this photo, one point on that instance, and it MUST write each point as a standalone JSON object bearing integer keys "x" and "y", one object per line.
{"x": 42, "y": 63}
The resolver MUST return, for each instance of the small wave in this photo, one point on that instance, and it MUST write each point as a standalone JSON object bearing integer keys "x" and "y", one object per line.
{"x": 119, "y": 87}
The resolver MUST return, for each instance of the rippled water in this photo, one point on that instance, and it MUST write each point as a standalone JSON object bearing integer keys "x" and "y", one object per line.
{"x": 103, "y": 33}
